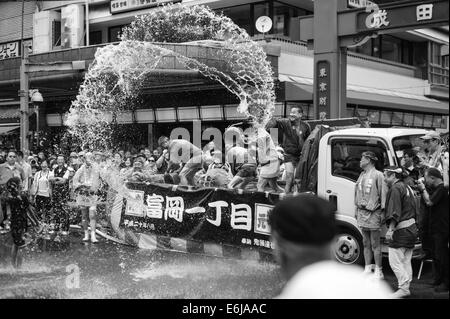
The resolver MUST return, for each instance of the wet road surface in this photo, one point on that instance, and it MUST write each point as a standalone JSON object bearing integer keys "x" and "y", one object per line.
{"x": 110, "y": 270}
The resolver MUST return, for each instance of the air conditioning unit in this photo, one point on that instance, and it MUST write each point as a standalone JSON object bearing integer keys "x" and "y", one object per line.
{"x": 44, "y": 35}
{"x": 72, "y": 26}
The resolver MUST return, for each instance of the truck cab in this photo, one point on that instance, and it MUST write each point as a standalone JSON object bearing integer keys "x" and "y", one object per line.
{"x": 338, "y": 170}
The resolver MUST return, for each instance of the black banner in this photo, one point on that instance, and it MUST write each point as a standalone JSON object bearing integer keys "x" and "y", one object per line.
{"x": 221, "y": 216}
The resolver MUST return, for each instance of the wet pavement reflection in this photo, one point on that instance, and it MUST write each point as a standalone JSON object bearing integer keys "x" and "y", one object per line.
{"x": 48, "y": 269}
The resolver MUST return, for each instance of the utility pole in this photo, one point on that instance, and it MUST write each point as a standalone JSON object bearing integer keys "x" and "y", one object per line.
{"x": 23, "y": 93}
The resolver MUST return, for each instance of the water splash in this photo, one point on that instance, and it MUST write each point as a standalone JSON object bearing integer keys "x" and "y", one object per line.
{"x": 114, "y": 81}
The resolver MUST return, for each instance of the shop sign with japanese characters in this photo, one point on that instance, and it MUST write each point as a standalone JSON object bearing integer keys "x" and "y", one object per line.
{"x": 209, "y": 215}
{"x": 129, "y": 5}
{"x": 401, "y": 17}
{"x": 9, "y": 50}
{"x": 323, "y": 85}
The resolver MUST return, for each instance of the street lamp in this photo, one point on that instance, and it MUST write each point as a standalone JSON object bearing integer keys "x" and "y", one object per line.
{"x": 36, "y": 99}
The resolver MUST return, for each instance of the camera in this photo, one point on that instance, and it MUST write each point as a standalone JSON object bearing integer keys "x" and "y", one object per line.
{"x": 33, "y": 162}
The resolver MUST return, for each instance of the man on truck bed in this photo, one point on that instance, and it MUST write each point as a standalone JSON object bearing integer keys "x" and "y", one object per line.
{"x": 370, "y": 194}
{"x": 295, "y": 132}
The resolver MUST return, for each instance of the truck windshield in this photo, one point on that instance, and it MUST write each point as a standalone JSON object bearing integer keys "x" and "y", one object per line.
{"x": 346, "y": 156}
{"x": 406, "y": 142}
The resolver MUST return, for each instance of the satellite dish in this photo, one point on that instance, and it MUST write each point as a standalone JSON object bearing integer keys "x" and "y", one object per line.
{"x": 263, "y": 24}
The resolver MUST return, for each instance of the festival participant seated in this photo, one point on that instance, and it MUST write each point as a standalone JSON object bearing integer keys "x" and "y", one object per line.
{"x": 137, "y": 174}
{"x": 243, "y": 165}
{"x": 86, "y": 183}
{"x": 218, "y": 174}
{"x": 182, "y": 151}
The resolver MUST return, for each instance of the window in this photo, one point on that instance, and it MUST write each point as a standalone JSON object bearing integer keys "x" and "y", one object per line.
{"x": 56, "y": 30}
{"x": 114, "y": 33}
{"x": 397, "y": 118}
{"x": 386, "y": 117}
{"x": 366, "y": 48}
{"x": 418, "y": 119}
{"x": 407, "y": 142}
{"x": 240, "y": 15}
{"x": 95, "y": 37}
{"x": 376, "y": 47}
{"x": 428, "y": 121}
{"x": 391, "y": 48}
{"x": 408, "y": 119}
{"x": 346, "y": 156}
{"x": 261, "y": 9}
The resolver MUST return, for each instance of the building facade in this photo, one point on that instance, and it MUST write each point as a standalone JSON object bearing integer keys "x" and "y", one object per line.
{"x": 393, "y": 80}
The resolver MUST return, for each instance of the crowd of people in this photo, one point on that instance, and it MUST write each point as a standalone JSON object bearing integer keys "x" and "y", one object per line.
{"x": 411, "y": 200}
{"x": 37, "y": 192}
{"x": 48, "y": 186}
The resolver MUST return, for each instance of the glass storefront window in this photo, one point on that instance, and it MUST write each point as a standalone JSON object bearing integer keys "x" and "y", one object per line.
{"x": 95, "y": 37}
{"x": 444, "y": 121}
{"x": 397, "y": 118}
{"x": 373, "y": 116}
{"x": 386, "y": 117}
{"x": 261, "y": 9}
{"x": 361, "y": 112}
{"x": 376, "y": 47}
{"x": 366, "y": 48}
{"x": 428, "y": 120}
{"x": 115, "y": 33}
{"x": 408, "y": 119}
{"x": 418, "y": 119}
{"x": 391, "y": 48}
{"x": 350, "y": 111}
{"x": 437, "y": 119}
{"x": 240, "y": 15}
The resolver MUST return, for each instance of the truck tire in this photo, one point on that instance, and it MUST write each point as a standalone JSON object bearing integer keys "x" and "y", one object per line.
{"x": 348, "y": 247}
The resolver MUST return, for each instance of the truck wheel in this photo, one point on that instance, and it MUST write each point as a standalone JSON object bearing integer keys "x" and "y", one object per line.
{"x": 348, "y": 247}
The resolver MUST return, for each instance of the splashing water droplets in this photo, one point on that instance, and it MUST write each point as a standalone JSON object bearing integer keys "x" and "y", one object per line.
{"x": 115, "y": 80}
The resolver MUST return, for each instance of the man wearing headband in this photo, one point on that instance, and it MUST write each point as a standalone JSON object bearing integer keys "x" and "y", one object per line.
{"x": 402, "y": 229}
{"x": 295, "y": 132}
{"x": 86, "y": 183}
{"x": 370, "y": 193}
{"x": 243, "y": 164}
{"x": 438, "y": 224}
{"x": 303, "y": 229}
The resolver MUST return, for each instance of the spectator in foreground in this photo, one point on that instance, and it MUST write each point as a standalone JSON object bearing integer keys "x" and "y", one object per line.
{"x": 303, "y": 229}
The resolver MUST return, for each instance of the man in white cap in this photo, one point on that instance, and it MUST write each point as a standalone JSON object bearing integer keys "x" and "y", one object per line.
{"x": 435, "y": 155}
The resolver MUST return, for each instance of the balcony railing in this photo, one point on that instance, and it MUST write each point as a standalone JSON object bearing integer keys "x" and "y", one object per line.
{"x": 299, "y": 48}
{"x": 438, "y": 75}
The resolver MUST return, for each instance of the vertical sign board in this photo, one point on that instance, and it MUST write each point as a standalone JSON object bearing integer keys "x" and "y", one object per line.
{"x": 322, "y": 81}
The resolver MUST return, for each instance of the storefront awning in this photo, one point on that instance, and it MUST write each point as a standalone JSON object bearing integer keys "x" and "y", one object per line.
{"x": 301, "y": 89}
{"x": 5, "y": 130}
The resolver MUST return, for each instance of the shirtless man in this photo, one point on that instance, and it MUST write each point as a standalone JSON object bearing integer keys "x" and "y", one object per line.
{"x": 243, "y": 164}
{"x": 184, "y": 152}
